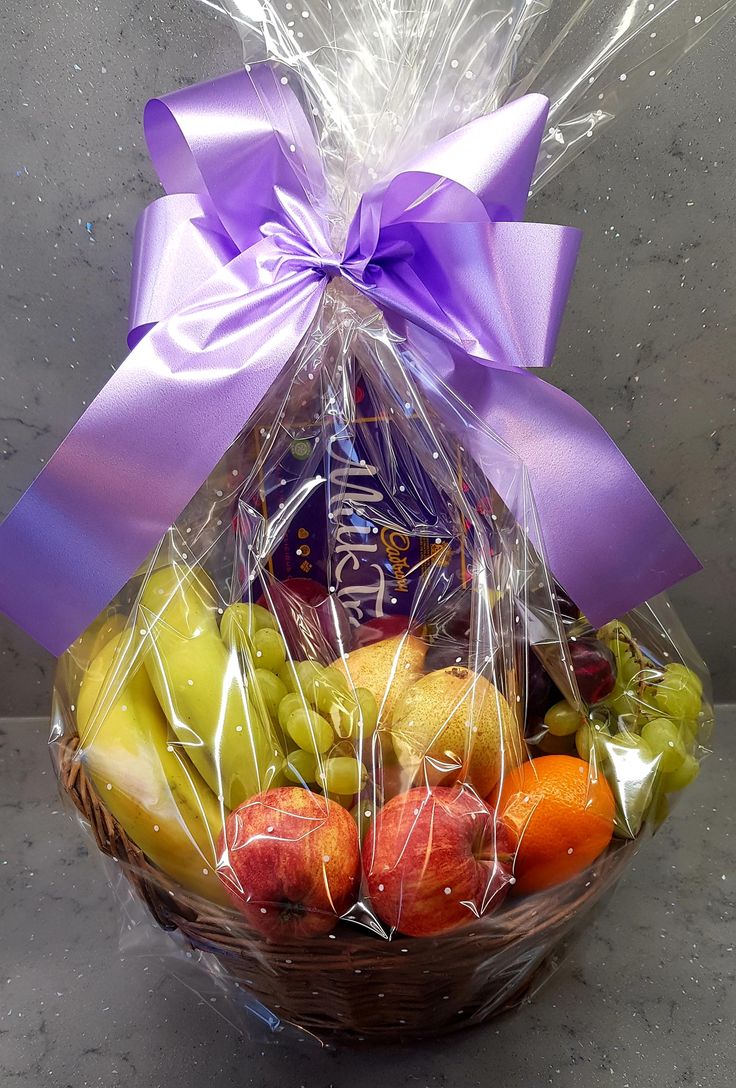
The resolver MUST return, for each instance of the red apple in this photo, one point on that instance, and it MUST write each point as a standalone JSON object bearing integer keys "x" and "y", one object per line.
{"x": 435, "y": 859}
{"x": 313, "y": 622}
{"x": 377, "y": 629}
{"x": 290, "y": 860}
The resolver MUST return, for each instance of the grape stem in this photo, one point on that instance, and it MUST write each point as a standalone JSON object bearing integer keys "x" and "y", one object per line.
{"x": 621, "y": 634}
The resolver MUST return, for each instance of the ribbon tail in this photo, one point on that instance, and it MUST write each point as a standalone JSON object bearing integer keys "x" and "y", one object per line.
{"x": 147, "y": 443}
{"x": 602, "y": 533}
{"x": 605, "y": 537}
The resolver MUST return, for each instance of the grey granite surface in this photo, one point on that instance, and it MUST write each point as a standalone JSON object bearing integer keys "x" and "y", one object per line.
{"x": 645, "y": 1000}
{"x": 647, "y": 341}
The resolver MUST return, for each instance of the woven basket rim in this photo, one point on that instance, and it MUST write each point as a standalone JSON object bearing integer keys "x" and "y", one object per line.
{"x": 525, "y": 931}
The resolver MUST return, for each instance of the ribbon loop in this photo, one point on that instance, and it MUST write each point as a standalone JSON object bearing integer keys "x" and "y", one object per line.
{"x": 179, "y": 243}
{"x": 492, "y": 157}
{"x": 243, "y": 141}
{"x": 510, "y": 316}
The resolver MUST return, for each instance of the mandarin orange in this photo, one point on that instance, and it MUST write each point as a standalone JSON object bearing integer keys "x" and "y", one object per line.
{"x": 561, "y": 813}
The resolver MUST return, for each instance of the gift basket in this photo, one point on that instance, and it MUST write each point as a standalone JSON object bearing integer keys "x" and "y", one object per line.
{"x": 368, "y": 682}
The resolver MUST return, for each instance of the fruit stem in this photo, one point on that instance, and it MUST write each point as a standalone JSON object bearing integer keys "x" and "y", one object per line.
{"x": 621, "y": 634}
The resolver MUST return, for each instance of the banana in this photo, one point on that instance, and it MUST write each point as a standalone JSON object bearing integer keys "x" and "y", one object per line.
{"x": 146, "y": 781}
{"x": 91, "y": 641}
{"x": 198, "y": 681}
{"x": 76, "y": 660}
{"x": 106, "y": 628}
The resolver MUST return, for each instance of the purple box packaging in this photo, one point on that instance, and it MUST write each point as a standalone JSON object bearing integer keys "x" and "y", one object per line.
{"x": 354, "y": 535}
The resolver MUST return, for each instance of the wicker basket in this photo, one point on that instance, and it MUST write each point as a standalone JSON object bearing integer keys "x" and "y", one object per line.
{"x": 352, "y": 984}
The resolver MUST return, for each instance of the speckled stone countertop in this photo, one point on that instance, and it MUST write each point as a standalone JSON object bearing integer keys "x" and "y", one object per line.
{"x": 646, "y": 999}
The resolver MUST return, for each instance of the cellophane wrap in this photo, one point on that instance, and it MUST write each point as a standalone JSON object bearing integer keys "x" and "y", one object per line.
{"x": 305, "y": 726}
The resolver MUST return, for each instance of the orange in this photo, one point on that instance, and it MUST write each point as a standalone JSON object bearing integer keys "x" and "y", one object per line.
{"x": 561, "y": 813}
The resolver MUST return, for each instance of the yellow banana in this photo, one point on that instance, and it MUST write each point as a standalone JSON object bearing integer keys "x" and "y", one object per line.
{"x": 76, "y": 660}
{"x": 199, "y": 684}
{"x": 145, "y": 780}
{"x": 106, "y": 628}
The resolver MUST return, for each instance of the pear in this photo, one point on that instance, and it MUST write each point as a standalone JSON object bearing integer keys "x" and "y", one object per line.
{"x": 454, "y": 724}
{"x": 387, "y": 668}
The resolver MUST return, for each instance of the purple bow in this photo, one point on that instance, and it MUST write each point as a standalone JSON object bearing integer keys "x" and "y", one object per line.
{"x": 229, "y": 274}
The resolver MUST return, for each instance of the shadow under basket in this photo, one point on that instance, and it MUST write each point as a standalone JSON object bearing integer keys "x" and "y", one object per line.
{"x": 352, "y": 984}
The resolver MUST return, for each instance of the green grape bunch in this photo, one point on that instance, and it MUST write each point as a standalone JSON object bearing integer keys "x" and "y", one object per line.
{"x": 644, "y": 735}
{"x": 315, "y": 707}
{"x": 659, "y": 712}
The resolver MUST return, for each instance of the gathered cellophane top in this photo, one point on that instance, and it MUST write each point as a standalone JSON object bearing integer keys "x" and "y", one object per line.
{"x": 384, "y": 80}
{"x": 344, "y": 714}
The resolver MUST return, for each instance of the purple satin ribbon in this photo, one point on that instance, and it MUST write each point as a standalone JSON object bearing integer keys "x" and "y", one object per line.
{"x": 229, "y": 272}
